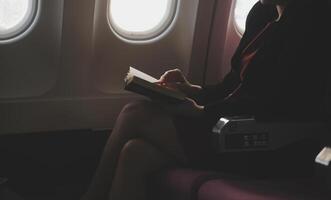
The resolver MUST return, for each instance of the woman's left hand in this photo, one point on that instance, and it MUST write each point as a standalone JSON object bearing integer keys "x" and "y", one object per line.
{"x": 188, "y": 108}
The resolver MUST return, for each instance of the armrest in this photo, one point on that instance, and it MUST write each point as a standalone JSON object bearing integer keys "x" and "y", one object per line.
{"x": 232, "y": 134}
{"x": 323, "y": 167}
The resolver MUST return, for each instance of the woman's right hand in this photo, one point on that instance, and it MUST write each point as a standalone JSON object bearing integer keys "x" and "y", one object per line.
{"x": 176, "y": 80}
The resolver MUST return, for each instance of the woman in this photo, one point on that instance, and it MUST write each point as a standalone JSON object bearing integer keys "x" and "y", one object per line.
{"x": 277, "y": 72}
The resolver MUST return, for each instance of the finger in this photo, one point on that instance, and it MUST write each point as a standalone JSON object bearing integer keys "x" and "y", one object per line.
{"x": 189, "y": 99}
{"x": 172, "y": 76}
{"x": 179, "y": 86}
{"x": 159, "y": 82}
{"x": 167, "y": 78}
{"x": 192, "y": 101}
{"x": 161, "y": 79}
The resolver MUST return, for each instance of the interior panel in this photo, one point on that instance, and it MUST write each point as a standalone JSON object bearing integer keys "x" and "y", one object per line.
{"x": 29, "y": 66}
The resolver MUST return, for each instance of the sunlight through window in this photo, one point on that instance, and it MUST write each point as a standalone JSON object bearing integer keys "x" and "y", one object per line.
{"x": 15, "y": 16}
{"x": 140, "y": 19}
{"x": 241, "y": 11}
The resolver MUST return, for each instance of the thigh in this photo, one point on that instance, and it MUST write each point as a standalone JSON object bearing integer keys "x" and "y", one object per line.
{"x": 149, "y": 121}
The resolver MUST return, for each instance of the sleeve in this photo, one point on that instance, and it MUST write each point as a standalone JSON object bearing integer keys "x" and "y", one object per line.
{"x": 211, "y": 93}
{"x": 242, "y": 104}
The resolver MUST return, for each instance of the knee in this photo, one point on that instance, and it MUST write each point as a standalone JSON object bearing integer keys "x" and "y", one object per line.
{"x": 134, "y": 112}
{"x": 141, "y": 109}
{"x": 137, "y": 105}
{"x": 132, "y": 150}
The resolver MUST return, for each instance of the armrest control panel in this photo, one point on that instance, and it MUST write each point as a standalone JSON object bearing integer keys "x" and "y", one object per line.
{"x": 232, "y": 134}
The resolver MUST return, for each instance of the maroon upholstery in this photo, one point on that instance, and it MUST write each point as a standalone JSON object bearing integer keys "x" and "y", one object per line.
{"x": 188, "y": 184}
{"x": 222, "y": 189}
{"x": 178, "y": 184}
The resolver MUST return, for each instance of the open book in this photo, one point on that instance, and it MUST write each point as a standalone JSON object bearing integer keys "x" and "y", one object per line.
{"x": 144, "y": 84}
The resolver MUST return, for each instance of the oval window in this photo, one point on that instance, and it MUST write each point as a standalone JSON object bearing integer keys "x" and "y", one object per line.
{"x": 140, "y": 19}
{"x": 16, "y": 16}
{"x": 241, "y": 11}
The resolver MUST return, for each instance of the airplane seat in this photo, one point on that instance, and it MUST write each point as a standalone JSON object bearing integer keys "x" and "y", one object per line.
{"x": 190, "y": 184}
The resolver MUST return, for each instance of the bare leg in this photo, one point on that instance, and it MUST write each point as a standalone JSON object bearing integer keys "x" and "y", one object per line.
{"x": 138, "y": 159}
{"x": 143, "y": 120}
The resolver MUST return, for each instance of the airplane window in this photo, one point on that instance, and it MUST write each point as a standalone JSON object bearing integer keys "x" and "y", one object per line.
{"x": 241, "y": 11}
{"x": 141, "y": 19}
{"x": 16, "y": 16}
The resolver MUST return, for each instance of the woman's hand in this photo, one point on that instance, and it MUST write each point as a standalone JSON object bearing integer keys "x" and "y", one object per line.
{"x": 188, "y": 108}
{"x": 176, "y": 80}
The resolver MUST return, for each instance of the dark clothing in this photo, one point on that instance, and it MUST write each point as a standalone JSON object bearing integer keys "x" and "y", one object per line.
{"x": 284, "y": 79}
{"x": 287, "y": 75}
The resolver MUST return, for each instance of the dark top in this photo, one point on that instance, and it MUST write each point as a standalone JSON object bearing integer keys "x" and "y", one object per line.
{"x": 286, "y": 77}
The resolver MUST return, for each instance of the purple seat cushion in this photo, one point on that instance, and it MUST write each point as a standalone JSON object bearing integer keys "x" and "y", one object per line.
{"x": 178, "y": 183}
{"x": 223, "y": 189}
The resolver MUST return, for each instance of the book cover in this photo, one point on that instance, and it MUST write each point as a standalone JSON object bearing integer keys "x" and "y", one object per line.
{"x": 146, "y": 85}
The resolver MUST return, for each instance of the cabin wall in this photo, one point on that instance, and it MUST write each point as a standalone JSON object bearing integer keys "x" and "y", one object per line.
{"x": 223, "y": 42}
{"x": 68, "y": 72}
{"x": 29, "y": 67}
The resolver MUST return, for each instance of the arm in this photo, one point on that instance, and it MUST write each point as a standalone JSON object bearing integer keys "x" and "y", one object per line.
{"x": 212, "y": 93}
{"x": 176, "y": 80}
{"x": 241, "y": 104}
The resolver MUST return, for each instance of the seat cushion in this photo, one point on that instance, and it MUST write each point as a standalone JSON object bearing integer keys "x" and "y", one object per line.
{"x": 225, "y": 189}
{"x": 178, "y": 183}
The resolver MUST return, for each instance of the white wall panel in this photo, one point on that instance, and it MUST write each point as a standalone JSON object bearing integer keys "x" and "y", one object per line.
{"x": 28, "y": 67}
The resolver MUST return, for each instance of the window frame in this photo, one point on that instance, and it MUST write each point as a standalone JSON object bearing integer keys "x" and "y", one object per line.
{"x": 238, "y": 29}
{"x": 145, "y": 36}
{"x": 24, "y": 27}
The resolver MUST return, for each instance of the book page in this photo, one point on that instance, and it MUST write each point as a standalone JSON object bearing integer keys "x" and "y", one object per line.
{"x": 142, "y": 75}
